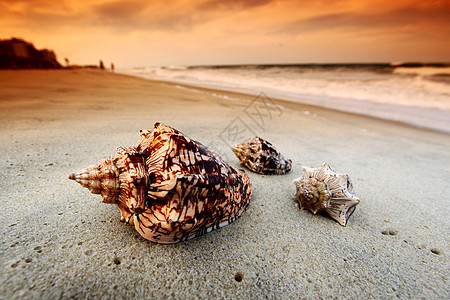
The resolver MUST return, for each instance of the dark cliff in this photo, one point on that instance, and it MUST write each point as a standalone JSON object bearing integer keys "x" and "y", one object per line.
{"x": 19, "y": 54}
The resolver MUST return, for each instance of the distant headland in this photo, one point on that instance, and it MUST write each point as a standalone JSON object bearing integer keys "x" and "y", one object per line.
{"x": 18, "y": 54}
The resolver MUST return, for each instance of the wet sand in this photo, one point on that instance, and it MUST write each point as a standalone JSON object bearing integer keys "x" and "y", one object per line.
{"x": 58, "y": 240}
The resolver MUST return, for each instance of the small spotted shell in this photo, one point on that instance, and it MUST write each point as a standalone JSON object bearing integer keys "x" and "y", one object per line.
{"x": 322, "y": 188}
{"x": 261, "y": 157}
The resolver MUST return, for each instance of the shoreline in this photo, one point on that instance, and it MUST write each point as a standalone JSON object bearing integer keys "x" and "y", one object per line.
{"x": 423, "y": 118}
{"x": 59, "y": 241}
{"x": 434, "y": 119}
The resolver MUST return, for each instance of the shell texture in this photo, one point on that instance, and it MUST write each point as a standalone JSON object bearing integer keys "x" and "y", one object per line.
{"x": 170, "y": 187}
{"x": 261, "y": 157}
{"x": 322, "y": 188}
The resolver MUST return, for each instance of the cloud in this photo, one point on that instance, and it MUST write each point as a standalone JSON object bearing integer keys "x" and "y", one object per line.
{"x": 229, "y": 30}
{"x": 121, "y": 15}
{"x": 404, "y": 18}
{"x": 176, "y": 15}
{"x": 39, "y": 16}
{"x": 127, "y": 14}
{"x": 117, "y": 10}
{"x": 232, "y": 4}
{"x": 149, "y": 15}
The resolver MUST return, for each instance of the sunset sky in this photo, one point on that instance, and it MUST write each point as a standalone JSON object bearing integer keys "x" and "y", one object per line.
{"x": 134, "y": 33}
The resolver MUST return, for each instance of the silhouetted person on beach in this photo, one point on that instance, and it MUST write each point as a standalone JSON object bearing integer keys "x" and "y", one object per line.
{"x": 112, "y": 67}
{"x": 102, "y": 66}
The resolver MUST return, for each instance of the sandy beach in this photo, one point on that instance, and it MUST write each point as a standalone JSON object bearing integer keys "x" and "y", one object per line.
{"x": 59, "y": 241}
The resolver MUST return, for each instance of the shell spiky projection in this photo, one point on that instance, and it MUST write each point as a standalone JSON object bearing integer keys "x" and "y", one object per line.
{"x": 170, "y": 187}
{"x": 323, "y": 189}
{"x": 261, "y": 157}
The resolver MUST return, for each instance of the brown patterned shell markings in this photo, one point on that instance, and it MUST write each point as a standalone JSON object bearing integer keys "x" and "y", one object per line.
{"x": 170, "y": 187}
{"x": 261, "y": 157}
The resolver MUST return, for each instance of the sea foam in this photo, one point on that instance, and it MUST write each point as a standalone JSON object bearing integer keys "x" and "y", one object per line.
{"x": 418, "y": 95}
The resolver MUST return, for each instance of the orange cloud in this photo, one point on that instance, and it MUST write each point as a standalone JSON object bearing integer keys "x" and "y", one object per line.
{"x": 234, "y": 31}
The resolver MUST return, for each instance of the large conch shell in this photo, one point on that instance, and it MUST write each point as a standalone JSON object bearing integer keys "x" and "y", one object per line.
{"x": 261, "y": 157}
{"x": 323, "y": 189}
{"x": 170, "y": 187}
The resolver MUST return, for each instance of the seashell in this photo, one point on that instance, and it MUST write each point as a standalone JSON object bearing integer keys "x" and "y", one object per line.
{"x": 170, "y": 187}
{"x": 261, "y": 157}
{"x": 323, "y": 189}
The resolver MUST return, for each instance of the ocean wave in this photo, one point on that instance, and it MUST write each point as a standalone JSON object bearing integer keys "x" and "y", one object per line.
{"x": 350, "y": 87}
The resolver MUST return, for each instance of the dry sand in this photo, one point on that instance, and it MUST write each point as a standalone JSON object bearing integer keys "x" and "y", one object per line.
{"x": 60, "y": 241}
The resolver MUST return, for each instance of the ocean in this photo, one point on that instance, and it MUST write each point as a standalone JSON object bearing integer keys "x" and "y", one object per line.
{"x": 413, "y": 93}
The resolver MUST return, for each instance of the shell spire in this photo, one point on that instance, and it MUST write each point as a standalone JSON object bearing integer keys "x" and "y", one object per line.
{"x": 323, "y": 188}
{"x": 101, "y": 178}
{"x": 170, "y": 187}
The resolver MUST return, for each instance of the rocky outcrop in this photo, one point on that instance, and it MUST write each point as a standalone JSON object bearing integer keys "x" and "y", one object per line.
{"x": 19, "y": 54}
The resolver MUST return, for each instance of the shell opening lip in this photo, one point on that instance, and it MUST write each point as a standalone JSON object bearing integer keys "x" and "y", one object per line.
{"x": 72, "y": 176}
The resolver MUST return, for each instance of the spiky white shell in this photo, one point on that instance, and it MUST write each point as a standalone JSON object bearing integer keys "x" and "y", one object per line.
{"x": 323, "y": 188}
{"x": 170, "y": 187}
